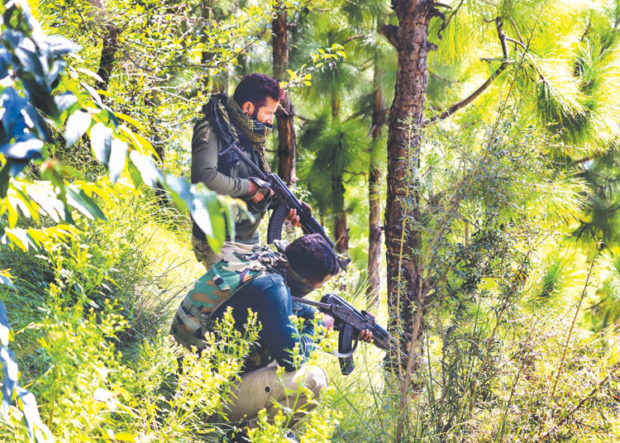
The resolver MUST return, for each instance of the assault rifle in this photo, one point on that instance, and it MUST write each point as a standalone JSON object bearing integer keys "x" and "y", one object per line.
{"x": 350, "y": 322}
{"x": 284, "y": 199}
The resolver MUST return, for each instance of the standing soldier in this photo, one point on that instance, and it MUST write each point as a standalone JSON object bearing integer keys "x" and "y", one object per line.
{"x": 249, "y": 114}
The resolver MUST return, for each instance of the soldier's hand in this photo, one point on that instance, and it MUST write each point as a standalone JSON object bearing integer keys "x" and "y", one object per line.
{"x": 366, "y": 335}
{"x": 293, "y": 218}
{"x": 258, "y": 193}
{"x": 259, "y": 196}
{"x": 329, "y": 321}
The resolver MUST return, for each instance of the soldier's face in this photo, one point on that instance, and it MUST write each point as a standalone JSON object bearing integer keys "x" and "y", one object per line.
{"x": 264, "y": 113}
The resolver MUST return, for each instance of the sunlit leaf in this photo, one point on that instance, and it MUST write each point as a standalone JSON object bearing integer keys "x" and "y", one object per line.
{"x": 145, "y": 164}
{"x": 24, "y": 149}
{"x": 65, "y": 101}
{"x": 60, "y": 46}
{"x": 131, "y": 120}
{"x": 118, "y": 157}
{"x": 90, "y": 73}
{"x": 76, "y": 126}
{"x": 180, "y": 192}
{"x": 84, "y": 204}
{"x": 101, "y": 142}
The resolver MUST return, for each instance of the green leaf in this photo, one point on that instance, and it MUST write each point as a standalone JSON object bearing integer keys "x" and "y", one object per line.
{"x": 227, "y": 207}
{"x": 65, "y": 101}
{"x": 135, "y": 175}
{"x": 130, "y": 120}
{"x": 93, "y": 93}
{"x": 145, "y": 164}
{"x": 24, "y": 148}
{"x": 180, "y": 192}
{"x": 218, "y": 223}
{"x": 12, "y": 215}
{"x": 90, "y": 73}
{"x": 20, "y": 241}
{"x": 4, "y": 180}
{"x": 76, "y": 127}
{"x": 118, "y": 158}
{"x": 200, "y": 214}
{"x": 84, "y": 204}
{"x": 101, "y": 142}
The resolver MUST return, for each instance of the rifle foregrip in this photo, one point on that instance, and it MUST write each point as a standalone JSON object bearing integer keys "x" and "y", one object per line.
{"x": 274, "y": 230}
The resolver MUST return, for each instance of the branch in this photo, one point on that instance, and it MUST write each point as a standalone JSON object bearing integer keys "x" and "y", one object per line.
{"x": 454, "y": 11}
{"x": 516, "y": 42}
{"x": 514, "y": 26}
{"x": 437, "y": 13}
{"x": 353, "y": 37}
{"x": 452, "y": 109}
{"x": 391, "y": 33}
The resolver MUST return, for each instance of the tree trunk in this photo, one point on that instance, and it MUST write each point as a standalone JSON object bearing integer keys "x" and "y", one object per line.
{"x": 402, "y": 235}
{"x": 108, "y": 54}
{"x": 287, "y": 144}
{"x": 109, "y": 45}
{"x": 374, "y": 202}
{"x": 341, "y": 228}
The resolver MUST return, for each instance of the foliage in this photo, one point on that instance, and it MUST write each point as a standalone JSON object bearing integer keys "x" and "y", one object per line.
{"x": 33, "y": 88}
{"x": 518, "y": 209}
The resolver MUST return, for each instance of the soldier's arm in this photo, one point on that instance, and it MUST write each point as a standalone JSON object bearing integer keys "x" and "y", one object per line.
{"x": 204, "y": 164}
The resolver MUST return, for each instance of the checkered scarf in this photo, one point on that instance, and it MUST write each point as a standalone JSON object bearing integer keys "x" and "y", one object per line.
{"x": 245, "y": 129}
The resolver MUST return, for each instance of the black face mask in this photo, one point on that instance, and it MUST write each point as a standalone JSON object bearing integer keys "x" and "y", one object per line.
{"x": 298, "y": 285}
{"x": 254, "y": 117}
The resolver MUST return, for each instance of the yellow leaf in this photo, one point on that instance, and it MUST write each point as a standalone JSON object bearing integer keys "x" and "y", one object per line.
{"x": 124, "y": 436}
{"x": 139, "y": 141}
{"x": 12, "y": 215}
{"x": 131, "y": 120}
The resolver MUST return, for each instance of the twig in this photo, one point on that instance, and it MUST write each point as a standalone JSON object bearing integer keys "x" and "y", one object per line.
{"x": 353, "y": 37}
{"x": 579, "y": 405}
{"x": 454, "y": 11}
{"x": 572, "y": 326}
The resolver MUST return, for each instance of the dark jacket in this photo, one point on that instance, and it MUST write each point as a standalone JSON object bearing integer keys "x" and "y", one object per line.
{"x": 270, "y": 298}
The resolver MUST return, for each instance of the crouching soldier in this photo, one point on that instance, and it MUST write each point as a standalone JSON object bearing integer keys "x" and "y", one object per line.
{"x": 264, "y": 282}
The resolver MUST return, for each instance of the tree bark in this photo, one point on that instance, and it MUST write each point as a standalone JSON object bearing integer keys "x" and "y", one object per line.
{"x": 341, "y": 228}
{"x": 402, "y": 214}
{"x": 108, "y": 54}
{"x": 287, "y": 142}
{"x": 109, "y": 45}
{"x": 374, "y": 198}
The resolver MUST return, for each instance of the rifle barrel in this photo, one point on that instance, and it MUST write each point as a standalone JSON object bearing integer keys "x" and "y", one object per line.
{"x": 312, "y": 303}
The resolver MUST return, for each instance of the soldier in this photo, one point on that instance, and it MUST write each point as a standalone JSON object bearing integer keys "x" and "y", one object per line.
{"x": 249, "y": 113}
{"x": 264, "y": 282}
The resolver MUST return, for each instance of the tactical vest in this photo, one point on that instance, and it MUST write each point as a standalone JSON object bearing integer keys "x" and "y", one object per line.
{"x": 235, "y": 270}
